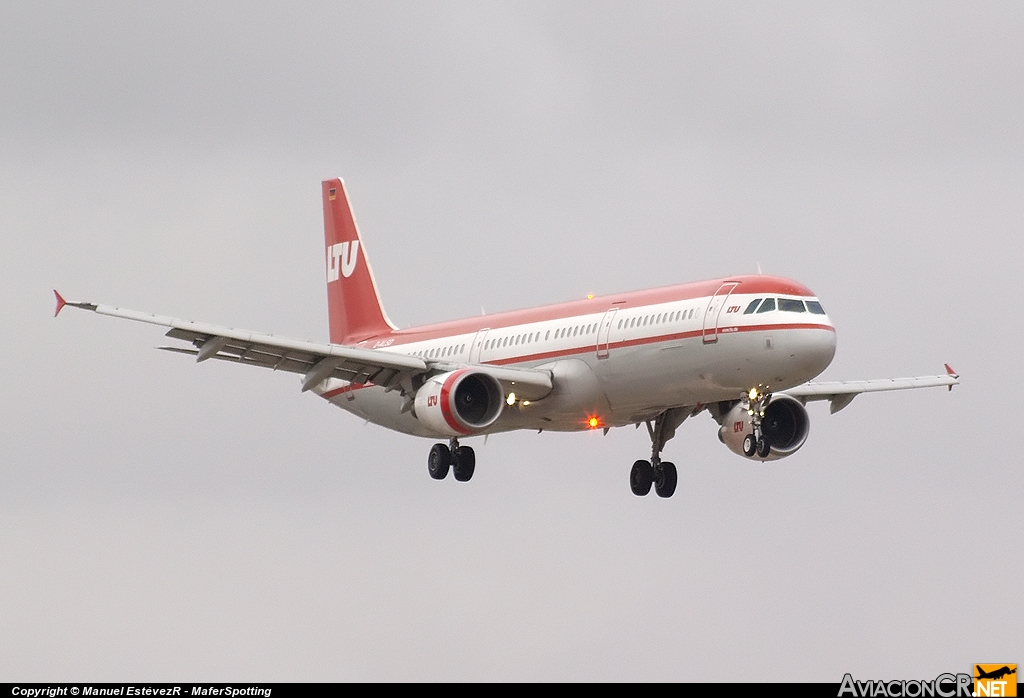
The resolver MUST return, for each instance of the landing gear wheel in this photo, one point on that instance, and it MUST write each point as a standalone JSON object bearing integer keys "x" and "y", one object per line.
{"x": 463, "y": 463}
{"x": 749, "y": 445}
{"x": 763, "y": 447}
{"x": 641, "y": 477}
{"x": 438, "y": 461}
{"x": 665, "y": 478}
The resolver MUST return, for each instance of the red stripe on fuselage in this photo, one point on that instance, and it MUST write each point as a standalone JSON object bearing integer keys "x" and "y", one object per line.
{"x": 654, "y": 339}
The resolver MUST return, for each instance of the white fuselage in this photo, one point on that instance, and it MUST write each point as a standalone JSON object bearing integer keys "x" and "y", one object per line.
{"x": 622, "y": 359}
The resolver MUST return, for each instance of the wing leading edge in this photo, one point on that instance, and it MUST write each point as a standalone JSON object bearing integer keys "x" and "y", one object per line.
{"x": 841, "y": 393}
{"x": 316, "y": 362}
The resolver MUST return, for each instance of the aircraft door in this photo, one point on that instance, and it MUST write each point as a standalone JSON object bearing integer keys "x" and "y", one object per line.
{"x": 478, "y": 345}
{"x": 714, "y": 309}
{"x": 604, "y": 333}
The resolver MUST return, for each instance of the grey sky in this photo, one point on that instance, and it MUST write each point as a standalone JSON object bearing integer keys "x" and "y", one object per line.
{"x": 166, "y": 521}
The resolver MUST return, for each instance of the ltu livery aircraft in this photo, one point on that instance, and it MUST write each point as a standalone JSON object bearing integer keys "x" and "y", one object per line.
{"x": 743, "y": 348}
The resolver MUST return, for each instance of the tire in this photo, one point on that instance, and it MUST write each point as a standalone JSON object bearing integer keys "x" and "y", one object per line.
{"x": 641, "y": 477}
{"x": 667, "y": 480}
{"x": 438, "y": 461}
{"x": 463, "y": 463}
{"x": 749, "y": 445}
{"x": 764, "y": 448}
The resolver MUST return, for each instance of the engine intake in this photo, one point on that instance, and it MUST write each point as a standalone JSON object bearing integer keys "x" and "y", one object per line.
{"x": 459, "y": 403}
{"x": 785, "y": 426}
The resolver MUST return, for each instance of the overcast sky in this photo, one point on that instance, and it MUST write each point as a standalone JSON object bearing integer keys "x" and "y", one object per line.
{"x": 161, "y": 520}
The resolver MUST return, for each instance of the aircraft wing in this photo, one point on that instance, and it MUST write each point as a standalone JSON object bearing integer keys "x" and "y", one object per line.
{"x": 841, "y": 393}
{"x": 315, "y": 361}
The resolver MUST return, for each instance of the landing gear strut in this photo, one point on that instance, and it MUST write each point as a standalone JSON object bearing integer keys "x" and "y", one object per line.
{"x": 461, "y": 459}
{"x": 657, "y": 472}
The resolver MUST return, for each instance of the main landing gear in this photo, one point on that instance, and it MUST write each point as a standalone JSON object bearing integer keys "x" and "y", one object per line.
{"x": 461, "y": 459}
{"x": 755, "y": 442}
{"x": 657, "y": 472}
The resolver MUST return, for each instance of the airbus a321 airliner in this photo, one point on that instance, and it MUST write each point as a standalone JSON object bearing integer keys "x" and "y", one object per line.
{"x": 743, "y": 348}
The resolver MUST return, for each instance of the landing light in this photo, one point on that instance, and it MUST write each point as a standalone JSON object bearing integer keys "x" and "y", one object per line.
{"x": 753, "y": 393}
{"x": 590, "y": 296}
{"x": 593, "y": 422}
{"x": 511, "y": 399}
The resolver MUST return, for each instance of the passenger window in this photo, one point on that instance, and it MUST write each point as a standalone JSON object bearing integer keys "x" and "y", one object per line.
{"x": 752, "y": 306}
{"x": 815, "y": 307}
{"x": 791, "y": 306}
{"x": 769, "y": 304}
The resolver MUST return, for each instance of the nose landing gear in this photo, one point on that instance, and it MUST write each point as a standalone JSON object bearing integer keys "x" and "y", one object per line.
{"x": 755, "y": 442}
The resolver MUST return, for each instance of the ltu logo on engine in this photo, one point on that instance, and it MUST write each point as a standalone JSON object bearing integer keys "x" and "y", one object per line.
{"x": 342, "y": 258}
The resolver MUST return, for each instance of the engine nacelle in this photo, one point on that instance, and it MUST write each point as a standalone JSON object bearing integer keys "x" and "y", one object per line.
{"x": 785, "y": 425}
{"x": 459, "y": 403}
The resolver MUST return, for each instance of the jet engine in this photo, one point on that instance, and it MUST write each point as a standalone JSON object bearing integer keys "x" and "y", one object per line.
{"x": 785, "y": 426}
{"x": 459, "y": 403}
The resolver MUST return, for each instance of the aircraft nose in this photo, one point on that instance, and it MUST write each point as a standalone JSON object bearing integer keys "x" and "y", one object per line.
{"x": 824, "y": 348}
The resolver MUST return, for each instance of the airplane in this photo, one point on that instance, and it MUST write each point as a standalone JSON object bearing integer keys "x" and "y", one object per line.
{"x": 742, "y": 348}
{"x": 996, "y": 674}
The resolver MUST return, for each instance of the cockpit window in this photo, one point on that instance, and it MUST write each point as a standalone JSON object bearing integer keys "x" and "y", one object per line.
{"x": 769, "y": 304}
{"x": 791, "y": 306}
{"x": 815, "y": 307}
{"x": 752, "y": 306}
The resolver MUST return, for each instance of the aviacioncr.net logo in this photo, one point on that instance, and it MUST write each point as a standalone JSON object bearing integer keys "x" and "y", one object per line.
{"x": 995, "y": 680}
{"x": 943, "y": 686}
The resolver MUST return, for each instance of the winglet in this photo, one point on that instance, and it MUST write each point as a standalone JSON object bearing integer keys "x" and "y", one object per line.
{"x": 61, "y": 303}
{"x": 951, "y": 372}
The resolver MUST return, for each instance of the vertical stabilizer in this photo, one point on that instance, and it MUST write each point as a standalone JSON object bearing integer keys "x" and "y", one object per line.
{"x": 353, "y": 304}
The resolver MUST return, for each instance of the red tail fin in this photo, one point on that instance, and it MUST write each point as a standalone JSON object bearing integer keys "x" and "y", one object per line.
{"x": 353, "y": 304}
